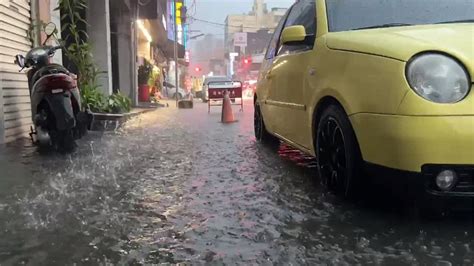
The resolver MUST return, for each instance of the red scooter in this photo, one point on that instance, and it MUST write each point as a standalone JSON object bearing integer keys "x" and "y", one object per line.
{"x": 58, "y": 119}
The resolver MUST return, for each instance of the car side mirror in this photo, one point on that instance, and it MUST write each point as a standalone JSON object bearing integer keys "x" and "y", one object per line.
{"x": 20, "y": 60}
{"x": 293, "y": 34}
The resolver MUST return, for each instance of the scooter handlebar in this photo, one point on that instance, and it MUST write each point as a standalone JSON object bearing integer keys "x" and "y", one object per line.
{"x": 53, "y": 49}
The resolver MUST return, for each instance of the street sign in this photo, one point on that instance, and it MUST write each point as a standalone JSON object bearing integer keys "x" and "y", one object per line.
{"x": 216, "y": 92}
{"x": 240, "y": 39}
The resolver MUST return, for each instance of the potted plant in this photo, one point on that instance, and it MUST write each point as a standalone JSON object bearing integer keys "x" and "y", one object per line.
{"x": 118, "y": 103}
{"x": 144, "y": 72}
{"x": 153, "y": 80}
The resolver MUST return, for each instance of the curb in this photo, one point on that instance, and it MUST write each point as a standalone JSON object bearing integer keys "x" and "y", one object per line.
{"x": 111, "y": 122}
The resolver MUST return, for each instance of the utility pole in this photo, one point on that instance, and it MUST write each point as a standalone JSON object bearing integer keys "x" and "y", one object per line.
{"x": 134, "y": 78}
{"x": 176, "y": 48}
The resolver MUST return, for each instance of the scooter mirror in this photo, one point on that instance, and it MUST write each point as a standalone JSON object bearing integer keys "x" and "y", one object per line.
{"x": 20, "y": 60}
{"x": 50, "y": 29}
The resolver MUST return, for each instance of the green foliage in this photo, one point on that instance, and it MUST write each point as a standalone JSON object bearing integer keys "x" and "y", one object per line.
{"x": 95, "y": 101}
{"x": 79, "y": 51}
{"x": 118, "y": 103}
{"x": 72, "y": 9}
{"x": 154, "y": 77}
{"x": 92, "y": 99}
{"x": 144, "y": 72}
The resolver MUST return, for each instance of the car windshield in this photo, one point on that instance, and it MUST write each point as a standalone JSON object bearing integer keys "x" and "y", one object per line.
{"x": 344, "y": 15}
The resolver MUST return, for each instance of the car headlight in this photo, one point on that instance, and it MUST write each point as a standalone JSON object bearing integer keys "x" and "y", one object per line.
{"x": 438, "y": 78}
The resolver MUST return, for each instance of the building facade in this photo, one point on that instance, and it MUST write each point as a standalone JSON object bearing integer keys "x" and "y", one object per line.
{"x": 15, "y": 114}
{"x": 259, "y": 18}
{"x": 258, "y": 26}
{"x": 208, "y": 57}
{"x": 122, "y": 34}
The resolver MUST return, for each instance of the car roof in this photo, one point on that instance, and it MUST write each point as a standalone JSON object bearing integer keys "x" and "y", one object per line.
{"x": 217, "y": 77}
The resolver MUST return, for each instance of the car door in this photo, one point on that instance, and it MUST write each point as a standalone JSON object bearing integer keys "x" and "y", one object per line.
{"x": 289, "y": 73}
{"x": 266, "y": 90}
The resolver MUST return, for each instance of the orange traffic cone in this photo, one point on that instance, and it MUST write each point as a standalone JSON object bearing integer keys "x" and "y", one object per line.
{"x": 227, "y": 114}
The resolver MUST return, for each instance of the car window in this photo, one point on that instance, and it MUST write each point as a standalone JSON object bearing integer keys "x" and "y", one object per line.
{"x": 274, "y": 42}
{"x": 302, "y": 13}
{"x": 352, "y": 15}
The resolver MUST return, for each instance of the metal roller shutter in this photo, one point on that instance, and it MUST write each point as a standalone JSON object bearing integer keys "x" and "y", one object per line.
{"x": 14, "y": 23}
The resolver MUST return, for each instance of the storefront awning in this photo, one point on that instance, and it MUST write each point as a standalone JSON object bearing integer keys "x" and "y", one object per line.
{"x": 161, "y": 41}
{"x": 168, "y": 49}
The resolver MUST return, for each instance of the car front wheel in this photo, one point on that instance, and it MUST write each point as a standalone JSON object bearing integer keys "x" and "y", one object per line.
{"x": 179, "y": 96}
{"x": 337, "y": 152}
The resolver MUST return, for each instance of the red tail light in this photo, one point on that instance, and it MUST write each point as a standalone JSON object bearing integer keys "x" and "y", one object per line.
{"x": 55, "y": 83}
{"x": 61, "y": 81}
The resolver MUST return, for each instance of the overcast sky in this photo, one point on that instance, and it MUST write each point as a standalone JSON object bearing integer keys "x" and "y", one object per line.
{"x": 217, "y": 11}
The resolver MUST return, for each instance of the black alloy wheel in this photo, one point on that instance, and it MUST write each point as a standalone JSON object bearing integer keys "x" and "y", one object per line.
{"x": 337, "y": 152}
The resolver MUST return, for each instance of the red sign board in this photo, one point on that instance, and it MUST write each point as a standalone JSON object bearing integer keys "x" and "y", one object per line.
{"x": 217, "y": 92}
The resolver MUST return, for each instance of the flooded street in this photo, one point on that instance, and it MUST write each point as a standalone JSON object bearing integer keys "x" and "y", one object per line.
{"x": 178, "y": 186}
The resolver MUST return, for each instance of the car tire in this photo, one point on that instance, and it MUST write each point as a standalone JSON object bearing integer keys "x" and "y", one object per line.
{"x": 261, "y": 133}
{"x": 337, "y": 152}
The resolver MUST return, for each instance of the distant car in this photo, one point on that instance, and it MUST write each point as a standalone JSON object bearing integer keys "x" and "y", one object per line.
{"x": 170, "y": 92}
{"x": 205, "y": 96}
{"x": 376, "y": 85}
{"x": 249, "y": 88}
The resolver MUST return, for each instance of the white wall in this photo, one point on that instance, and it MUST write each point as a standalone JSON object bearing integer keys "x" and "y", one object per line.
{"x": 56, "y": 19}
{"x": 125, "y": 59}
{"x": 2, "y": 124}
{"x": 98, "y": 17}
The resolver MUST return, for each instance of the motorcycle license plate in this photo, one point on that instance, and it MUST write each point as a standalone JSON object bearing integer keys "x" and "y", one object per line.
{"x": 57, "y": 91}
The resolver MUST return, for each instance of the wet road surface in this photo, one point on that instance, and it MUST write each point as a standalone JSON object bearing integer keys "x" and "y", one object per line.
{"x": 177, "y": 186}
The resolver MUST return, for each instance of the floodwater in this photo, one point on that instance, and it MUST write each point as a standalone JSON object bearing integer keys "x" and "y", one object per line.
{"x": 178, "y": 186}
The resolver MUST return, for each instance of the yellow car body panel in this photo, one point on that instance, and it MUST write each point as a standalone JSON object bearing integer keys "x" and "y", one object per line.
{"x": 402, "y": 43}
{"x": 409, "y": 142}
{"x": 364, "y": 70}
{"x": 413, "y": 105}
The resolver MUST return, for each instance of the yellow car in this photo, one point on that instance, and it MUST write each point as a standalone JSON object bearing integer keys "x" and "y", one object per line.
{"x": 374, "y": 85}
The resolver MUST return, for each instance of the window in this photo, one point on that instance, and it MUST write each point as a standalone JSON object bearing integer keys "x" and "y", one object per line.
{"x": 302, "y": 13}
{"x": 353, "y": 15}
{"x": 274, "y": 42}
